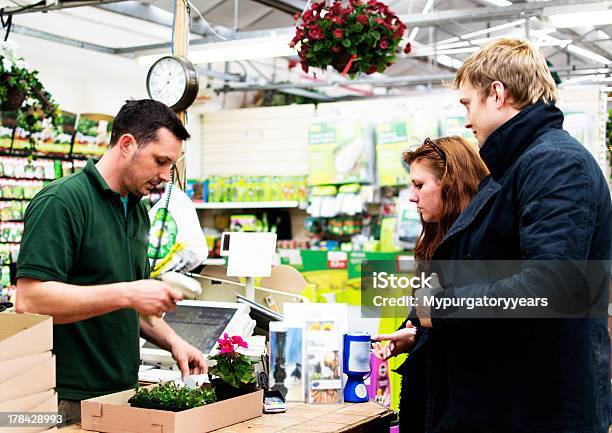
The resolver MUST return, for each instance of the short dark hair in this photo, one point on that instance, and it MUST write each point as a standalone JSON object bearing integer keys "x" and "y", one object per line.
{"x": 143, "y": 118}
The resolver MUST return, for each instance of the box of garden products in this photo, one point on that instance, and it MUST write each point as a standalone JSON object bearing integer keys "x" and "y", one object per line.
{"x": 113, "y": 413}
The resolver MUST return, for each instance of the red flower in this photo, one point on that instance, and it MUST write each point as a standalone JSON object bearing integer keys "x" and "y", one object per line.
{"x": 296, "y": 16}
{"x": 337, "y": 19}
{"x": 317, "y": 6}
{"x": 380, "y": 21}
{"x": 362, "y": 19}
{"x": 335, "y": 49}
{"x": 292, "y": 63}
{"x": 384, "y": 43}
{"x": 316, "y": 33}
{"x": 371, "y": 69}
{"x": 307, "y": 15}
{"x": 408, "y": 48}
{"x": 304, "y": 67}
{"x": 338, "y": 33}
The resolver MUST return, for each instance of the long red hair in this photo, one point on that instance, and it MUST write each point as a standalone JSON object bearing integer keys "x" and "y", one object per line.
{"x": 458, "y": 169}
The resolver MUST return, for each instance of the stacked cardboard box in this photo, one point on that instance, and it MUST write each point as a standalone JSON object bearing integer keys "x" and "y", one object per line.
{"x": 27, "y": 369}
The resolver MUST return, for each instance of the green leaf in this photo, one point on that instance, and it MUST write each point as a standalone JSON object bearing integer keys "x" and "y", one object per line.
{"x": 318, "y": 46}
{"x": 346, "y": 42}
{"x": 357, "y": 27}
{"x": 324, "y": 24}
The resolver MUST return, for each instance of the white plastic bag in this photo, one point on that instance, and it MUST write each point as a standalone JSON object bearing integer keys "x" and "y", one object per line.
{"x": 176, "y": 241}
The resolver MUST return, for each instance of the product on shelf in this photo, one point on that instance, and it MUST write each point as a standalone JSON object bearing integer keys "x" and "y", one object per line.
{"x": 58, "y": 140}
{"x": 23, "y": 168}
{"x": 218, "y": 189}
{"x": 340, "y": 151}
{"x": 11, "y": 231}
{"x": 19, "y": 189}
{"x": 92, "y": 134}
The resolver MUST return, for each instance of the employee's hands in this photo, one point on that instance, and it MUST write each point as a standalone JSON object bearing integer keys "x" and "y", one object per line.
{"x": 152, "y": 297}
{"x": 399, "y": 342}
{"x": 189, "y": 359}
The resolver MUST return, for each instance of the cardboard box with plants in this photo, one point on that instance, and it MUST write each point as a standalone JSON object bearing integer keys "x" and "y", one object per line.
{"x": 231, "y": 397}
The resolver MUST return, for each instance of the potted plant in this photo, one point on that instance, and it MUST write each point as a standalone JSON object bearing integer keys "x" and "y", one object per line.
{"x": 235, "y": 374}
{"x": 172, "y": 397}
{"x": 21, "y": 90}
{"x": 352, "y": 36}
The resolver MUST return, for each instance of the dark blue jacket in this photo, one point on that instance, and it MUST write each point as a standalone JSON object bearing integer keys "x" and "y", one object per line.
{"x": 546, "y": 199}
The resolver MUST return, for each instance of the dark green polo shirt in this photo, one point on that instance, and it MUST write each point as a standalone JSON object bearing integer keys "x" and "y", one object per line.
{"x": 76, "y": 232}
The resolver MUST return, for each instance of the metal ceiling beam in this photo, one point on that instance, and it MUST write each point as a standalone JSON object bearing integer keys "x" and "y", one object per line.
{"x": 421, "y": 20}
{"x": 478, "y": 14}
{"x": 287, "y": 6}
{"x": 387, "y": 82}
{"x": 157, "y": 15}
{"x": 26, "y": 31}
{"x": 44, "y": 7}
{"x": 210, "y": 39}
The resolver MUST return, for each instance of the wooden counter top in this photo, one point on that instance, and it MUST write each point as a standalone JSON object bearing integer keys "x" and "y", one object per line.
{"x": 309, "y": 418}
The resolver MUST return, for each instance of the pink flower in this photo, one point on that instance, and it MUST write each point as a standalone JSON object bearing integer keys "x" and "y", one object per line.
{"x": 237, "y": 339}
{"x": 384, "y": 43}
{"x": 362, "y": 19}
{"x": 338, "y": 33}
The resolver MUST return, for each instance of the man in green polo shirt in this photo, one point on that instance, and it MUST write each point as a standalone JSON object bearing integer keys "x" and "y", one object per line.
{"x": 83, "y": 260}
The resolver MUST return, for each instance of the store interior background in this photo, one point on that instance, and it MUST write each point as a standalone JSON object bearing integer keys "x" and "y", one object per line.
{"x": 274, "y": 141}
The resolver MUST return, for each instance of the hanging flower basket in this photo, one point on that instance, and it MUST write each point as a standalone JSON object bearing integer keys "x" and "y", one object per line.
{"x": 351, "y": 36}
{"x": 14, "y": 97}
{"x": 20, "y": 89}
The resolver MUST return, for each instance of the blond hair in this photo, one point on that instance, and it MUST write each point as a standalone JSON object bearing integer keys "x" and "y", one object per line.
{"x": 517, "y": 64}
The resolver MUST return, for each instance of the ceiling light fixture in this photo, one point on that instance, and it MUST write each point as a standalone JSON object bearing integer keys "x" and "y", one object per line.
{"x": 594, "y": 14}
{"x": 499, "y": 2}
{"x": 415, "y": 30}
{"x": 483, "y": 31}
{"x": 588, "y": 54}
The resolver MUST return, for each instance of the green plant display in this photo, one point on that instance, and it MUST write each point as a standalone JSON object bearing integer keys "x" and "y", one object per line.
{"x": 352, "y": 36}
{"x": 172, "y": 397}
{"x": 232, "y": 367}
{"x": 20, "y": 89}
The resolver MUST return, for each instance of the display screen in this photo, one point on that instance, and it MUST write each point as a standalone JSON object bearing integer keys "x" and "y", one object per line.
{"x": 200, "y": 326}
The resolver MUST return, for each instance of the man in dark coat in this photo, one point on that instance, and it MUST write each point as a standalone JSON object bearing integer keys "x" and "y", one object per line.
{"x": 546, "y": 200}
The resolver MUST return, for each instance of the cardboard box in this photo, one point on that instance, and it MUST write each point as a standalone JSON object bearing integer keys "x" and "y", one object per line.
{"x": 112, "y": 413}
{"x": 39, "y": 378}
{"x": 24, "y": 334}
{"x": 16, "y": 366}
{"x": 24, "y": 404}
{"x": 49, "y": 405}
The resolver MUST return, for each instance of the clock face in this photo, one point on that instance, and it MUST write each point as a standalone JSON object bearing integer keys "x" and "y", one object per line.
{"x": 167, "y": 81}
